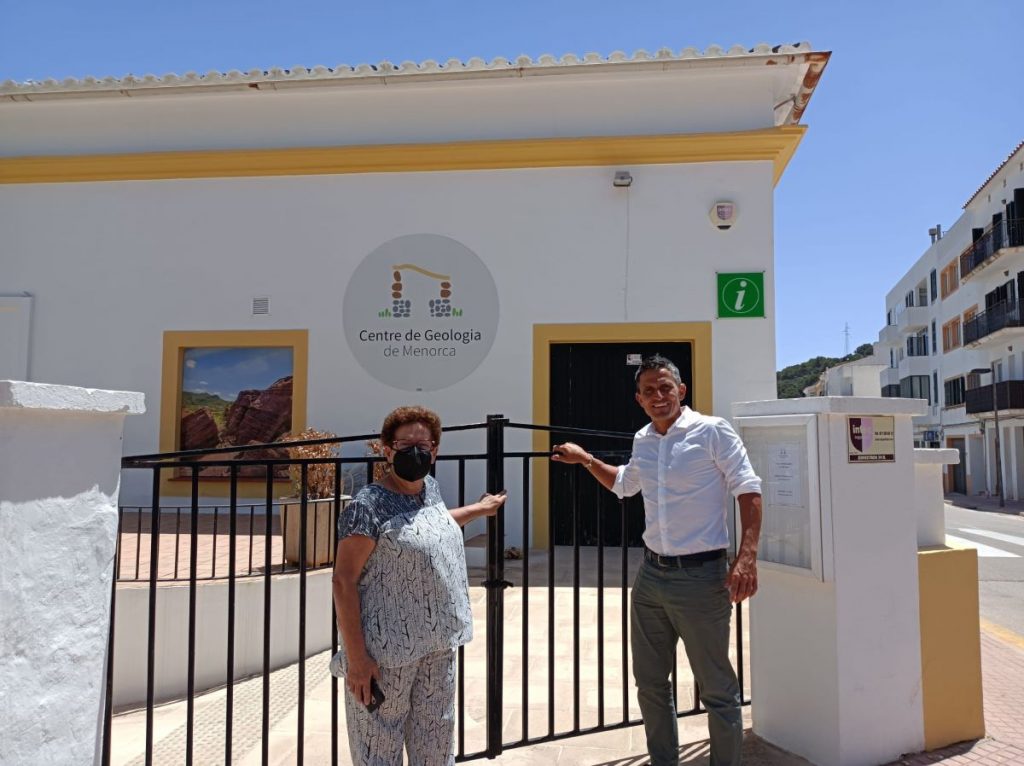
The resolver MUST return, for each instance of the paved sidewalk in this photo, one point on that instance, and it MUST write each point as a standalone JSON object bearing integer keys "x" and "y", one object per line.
{"x": 1003, "y": 671}
{"x": 1002, "y": 658}
{"x": 983, "y": 503}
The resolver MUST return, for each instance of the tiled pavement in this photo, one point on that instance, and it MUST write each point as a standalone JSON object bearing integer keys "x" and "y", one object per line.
{"x": 1003, "y": 669}
{"x": 1002, "y": 658}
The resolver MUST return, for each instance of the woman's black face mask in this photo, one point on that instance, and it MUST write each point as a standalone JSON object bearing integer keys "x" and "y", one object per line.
{"x": 412, "y": 463}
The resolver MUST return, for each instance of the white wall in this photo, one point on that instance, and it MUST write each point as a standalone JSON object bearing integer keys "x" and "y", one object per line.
{"x": 123, "y": 262}
{"x": 590, "y": 104}
{"x": 60, "y": 454}
{"x": 171, "y": 669}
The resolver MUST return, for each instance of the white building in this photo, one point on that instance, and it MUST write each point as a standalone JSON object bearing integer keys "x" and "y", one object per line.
{"x": 590, "y": 206}
{"x": 859, "y": 377}
{"x": 956, "y": 310}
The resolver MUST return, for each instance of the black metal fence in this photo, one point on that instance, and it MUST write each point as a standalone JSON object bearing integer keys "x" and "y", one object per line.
{"x": 556, "y": 576}
{"x": 998, "y": 316}
{"x": 1002, "y": 233}
{"x": 1010, "y": 394}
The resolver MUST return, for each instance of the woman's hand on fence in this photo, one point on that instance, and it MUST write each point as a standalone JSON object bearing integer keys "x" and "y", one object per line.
{"x": 360, "y": 671}
{"x": 489, "y": 504}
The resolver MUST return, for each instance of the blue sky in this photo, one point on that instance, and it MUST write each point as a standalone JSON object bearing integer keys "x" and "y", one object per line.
{"x": 921, "y": 101}
{"x": 224, "y": 372}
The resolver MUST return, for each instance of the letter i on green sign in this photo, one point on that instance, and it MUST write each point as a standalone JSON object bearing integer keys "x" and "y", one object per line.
{"x": 740, "y": 295}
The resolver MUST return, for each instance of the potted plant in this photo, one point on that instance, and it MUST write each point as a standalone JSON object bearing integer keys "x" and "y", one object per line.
{"x": 320, "y": 501}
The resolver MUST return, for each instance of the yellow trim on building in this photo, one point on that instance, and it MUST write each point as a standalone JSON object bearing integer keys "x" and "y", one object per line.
{"x": 776, "y": 145}
{"x": 950, "y": 646}
{"x": 175, "y": 343}
{"x": 698, "y": 334}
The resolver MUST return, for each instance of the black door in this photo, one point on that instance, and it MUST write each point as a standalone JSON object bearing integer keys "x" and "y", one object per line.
{"x": 592, "y": 386}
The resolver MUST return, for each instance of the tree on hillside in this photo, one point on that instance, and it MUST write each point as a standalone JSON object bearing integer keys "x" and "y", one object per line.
{"x": 791, "y": 381}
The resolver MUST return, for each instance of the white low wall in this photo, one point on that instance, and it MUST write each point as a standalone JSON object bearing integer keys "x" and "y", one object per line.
{"x": 60, "y": 455}
{"x": 211, "y": 624}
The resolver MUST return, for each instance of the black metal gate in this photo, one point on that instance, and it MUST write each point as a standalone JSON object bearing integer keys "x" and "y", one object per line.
{"x": 589, "y": 583}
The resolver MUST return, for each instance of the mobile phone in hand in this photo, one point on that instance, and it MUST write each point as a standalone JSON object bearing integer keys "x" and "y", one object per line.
{"x": 376, "y": 696}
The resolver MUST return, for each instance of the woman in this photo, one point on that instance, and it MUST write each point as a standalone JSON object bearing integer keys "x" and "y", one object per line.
{"x": 402, "y": 600}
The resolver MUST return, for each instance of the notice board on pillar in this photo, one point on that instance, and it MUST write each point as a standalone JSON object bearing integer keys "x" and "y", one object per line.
{"x": 783, "y": 451}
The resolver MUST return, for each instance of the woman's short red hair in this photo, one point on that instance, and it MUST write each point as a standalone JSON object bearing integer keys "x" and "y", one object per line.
{"x": 412, "y": 414}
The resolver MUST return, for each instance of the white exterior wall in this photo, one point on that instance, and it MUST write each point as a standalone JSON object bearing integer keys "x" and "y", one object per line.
{"x": 609, "y": 104}
{"x": 124, "y": 262}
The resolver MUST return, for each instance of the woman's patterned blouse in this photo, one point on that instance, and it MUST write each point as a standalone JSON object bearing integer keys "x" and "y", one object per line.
{"x": 413, "y": 593}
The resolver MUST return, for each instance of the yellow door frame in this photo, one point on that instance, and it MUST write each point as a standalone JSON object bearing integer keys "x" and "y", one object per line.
{"x": 697, "y": 334}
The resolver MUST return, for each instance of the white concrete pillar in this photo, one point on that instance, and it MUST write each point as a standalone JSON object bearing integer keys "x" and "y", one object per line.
{"x": 835, "y": 636}
{"x": 929, "y": 500}
{"x": 60, "y": 462}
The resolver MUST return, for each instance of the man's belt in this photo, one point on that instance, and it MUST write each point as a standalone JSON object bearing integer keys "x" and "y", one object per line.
{"x": 687, "y": 560}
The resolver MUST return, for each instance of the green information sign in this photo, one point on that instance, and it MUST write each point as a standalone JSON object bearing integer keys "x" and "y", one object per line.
{"x": 740, "y": 295}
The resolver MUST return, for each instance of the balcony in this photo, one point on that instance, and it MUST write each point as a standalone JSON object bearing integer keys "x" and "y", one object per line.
{"x": 912, "y": 318}
{"x": 993, "y": 325}
{"x": 998, "y": 238}
{"x": 914, "y": 365}
{"x": 889, "y": 336}
{"x": 1011, "y": 397}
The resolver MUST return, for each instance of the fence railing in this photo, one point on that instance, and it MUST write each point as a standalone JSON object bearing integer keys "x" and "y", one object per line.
{"x": 1004, "y": 233}
{"x": 1000, "y": 315}
{"x": 582, "y": 591}
{"x": 983, "y": 398}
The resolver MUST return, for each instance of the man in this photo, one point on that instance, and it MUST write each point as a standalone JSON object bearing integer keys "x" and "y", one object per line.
{"x": 686, "y": 465}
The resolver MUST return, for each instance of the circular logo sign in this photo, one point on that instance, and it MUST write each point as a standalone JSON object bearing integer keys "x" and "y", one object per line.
{"x": 420, "y": 312}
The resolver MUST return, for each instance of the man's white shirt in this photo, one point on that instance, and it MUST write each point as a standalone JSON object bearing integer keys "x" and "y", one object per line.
{"x": 686, "y": 477}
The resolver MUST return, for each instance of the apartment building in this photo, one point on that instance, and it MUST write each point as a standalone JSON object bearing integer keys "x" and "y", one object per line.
{"x": 955, "y": 337}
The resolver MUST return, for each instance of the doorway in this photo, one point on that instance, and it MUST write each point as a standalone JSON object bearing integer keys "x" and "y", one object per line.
{"x": 958, "y": 472}
{"x": 593, "y": 386}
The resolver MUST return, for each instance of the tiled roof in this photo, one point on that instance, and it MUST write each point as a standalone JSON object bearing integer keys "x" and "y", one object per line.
{"x": 994, "y": 173}
{"x": 522, "y": 66}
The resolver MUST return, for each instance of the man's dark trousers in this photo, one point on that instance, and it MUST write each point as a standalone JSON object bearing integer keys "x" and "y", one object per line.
{"x": 692, "y": 603}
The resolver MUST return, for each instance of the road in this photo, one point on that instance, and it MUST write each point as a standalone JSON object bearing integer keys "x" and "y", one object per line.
{"x": 999, "y": 538}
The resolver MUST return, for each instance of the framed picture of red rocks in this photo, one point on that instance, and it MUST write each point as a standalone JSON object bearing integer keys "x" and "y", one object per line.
{"x": 235, "y": 396}
{"x": 233, "y": 389}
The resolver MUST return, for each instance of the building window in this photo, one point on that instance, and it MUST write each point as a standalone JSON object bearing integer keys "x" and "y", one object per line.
{"x": 891, "y": 391}
{"x": 908, "y": 301}
{"x": 915, "y": 387}
{"x": 935, "y": 346}
{"x": 951, "y": 335}
{"x": 917, "y": 345}
{"x": 950, "y": 278}
{"x": 954, "y": 391}
{"x": 933, "y": 281}
{"x": 935, "y": 386}
{"x": 888, "y": 318}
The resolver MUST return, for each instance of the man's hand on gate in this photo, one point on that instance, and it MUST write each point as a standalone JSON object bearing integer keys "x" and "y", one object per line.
{"x": 742, "y": 578}
{"x": 570, "y": 453}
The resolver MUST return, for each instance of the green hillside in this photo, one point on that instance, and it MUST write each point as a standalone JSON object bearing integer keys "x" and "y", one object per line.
{"x": 217, "y": 407}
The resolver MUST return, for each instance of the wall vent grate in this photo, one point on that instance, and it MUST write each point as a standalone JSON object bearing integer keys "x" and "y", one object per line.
{"x": 261, "y": 305}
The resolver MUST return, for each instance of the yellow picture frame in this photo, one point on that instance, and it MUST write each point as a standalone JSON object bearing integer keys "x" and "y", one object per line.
{"x": 175, "y": 344}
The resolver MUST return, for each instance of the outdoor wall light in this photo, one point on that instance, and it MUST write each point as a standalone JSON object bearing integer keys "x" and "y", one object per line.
{"x": 623, "y": 179}
{"x": 723, "y": 215}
